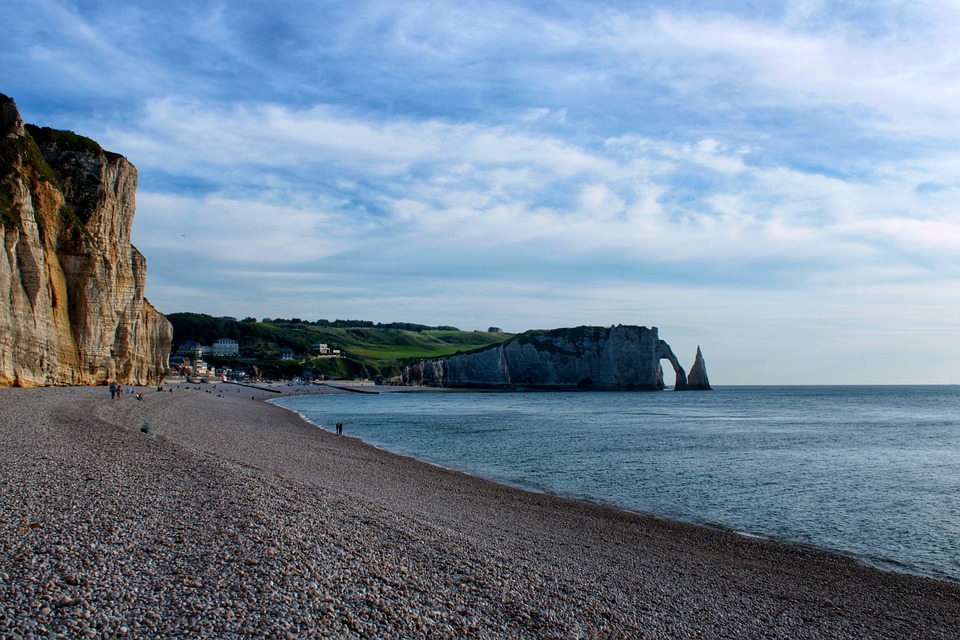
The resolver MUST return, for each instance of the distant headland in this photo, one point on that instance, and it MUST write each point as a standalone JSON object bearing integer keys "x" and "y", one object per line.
{"x": 598, "y": 358}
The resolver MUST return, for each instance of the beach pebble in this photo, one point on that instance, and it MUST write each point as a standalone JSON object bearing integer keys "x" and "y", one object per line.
{"x": 243, "y": 521}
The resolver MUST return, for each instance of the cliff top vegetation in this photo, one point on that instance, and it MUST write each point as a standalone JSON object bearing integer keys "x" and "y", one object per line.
{"x": 63, "y": 139}
{"x": 370, "y": 349}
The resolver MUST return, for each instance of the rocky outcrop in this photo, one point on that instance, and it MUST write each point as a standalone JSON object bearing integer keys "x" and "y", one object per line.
{"x": 621, "y": 357}
{"x": 697, "y": 380}
{"x": 72, "y": 309}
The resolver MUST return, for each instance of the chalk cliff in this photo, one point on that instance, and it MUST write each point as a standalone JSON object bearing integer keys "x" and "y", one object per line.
{"x": 72, "y": 307}
{"x": 621, "y": 357}
{"x": 698, "y": 380}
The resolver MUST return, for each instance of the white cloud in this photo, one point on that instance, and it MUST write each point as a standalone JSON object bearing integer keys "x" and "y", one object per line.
{"x": 904, "y": 80}
{"x": 434, "y": 183}
{"x": 223, "y": 231}
{"x": 710, "y": 154}
{"x": 760, "y": 179}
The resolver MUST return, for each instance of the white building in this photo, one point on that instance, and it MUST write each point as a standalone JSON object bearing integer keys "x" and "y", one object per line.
{"x": 226, "y": 347}
{"x": 190, "y": 349}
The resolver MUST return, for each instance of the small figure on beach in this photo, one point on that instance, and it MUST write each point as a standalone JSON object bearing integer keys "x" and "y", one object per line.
{"x": 339, "y": 428}
{"x": 113, "y": 390}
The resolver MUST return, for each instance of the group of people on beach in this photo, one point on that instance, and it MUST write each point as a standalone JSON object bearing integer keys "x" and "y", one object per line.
{"x": 116, "y": 391}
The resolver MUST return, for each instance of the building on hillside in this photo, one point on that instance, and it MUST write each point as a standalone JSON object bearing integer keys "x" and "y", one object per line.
{"x": 226, "y": 347}
{"x": 190, "y": 349}
{"x": 241, "y": 373}
{"x": 286, "y": 354}
{"x": 322, "y": 349}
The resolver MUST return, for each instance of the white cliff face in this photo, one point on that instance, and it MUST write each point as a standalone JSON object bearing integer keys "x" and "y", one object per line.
{"x": 622, "y": 357}
{"x": 72, "y": 309}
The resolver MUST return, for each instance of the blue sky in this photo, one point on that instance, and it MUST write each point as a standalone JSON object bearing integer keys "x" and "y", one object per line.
{"x": 776, "y": 182}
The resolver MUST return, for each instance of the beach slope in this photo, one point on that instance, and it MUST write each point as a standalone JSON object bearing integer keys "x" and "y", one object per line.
{"x": 214, "y": 514}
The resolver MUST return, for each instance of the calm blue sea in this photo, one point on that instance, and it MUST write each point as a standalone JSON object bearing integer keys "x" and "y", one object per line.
{"x": 873, "y": 472}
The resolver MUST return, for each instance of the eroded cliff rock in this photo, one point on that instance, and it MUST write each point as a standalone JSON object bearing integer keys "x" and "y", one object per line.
{"x": 621, "y": 357}
{"x": 698, "y": 380}
{"x": 73, "y": 309}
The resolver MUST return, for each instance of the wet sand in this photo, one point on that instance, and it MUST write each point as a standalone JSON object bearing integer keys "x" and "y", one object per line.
{"x": 212, "y": 513}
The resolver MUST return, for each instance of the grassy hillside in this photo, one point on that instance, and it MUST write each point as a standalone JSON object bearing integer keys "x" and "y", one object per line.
{"x": 369, "y": 349}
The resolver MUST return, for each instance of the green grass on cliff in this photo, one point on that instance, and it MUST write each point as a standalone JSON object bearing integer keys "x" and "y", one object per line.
{"x": 65, "y": 140}
{"x": 392, "y": 345}
{"x": 369, "y": 349}
{"x": 22, "y": 155}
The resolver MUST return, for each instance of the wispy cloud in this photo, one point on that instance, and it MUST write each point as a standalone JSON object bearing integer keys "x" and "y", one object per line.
{"x": 474, "y": 185}
{"x": 754, "y": 178}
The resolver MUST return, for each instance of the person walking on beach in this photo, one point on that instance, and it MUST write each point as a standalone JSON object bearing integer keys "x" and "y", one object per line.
{"x": 339, "y": 428}
{"x": 113, "y": 390}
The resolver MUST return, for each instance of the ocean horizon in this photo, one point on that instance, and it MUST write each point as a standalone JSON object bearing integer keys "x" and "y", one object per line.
{"x": 868, "y": 471}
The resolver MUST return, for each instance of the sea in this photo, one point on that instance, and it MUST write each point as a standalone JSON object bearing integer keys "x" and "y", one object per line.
{"x": 872, "y": 472}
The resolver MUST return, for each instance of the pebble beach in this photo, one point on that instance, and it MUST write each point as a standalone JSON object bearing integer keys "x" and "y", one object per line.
{"x": 207, "y": 512}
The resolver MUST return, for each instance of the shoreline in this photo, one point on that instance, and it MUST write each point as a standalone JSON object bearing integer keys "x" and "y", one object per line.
{"x": 242, "y": 518}
{"x": 874, "y": 562}
{"x": 615, "y": 507}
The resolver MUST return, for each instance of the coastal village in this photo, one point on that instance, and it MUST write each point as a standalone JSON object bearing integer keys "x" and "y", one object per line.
{"x": 190, "y": 361}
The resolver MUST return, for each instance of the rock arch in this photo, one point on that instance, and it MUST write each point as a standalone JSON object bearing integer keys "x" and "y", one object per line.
{"x": 664, "y": 352}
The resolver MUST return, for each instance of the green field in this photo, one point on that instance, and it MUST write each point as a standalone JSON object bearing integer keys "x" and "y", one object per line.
{"x": 369, "y": 350}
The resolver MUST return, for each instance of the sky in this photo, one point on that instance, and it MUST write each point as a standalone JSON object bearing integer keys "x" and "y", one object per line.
{"x": 778, "y": 183}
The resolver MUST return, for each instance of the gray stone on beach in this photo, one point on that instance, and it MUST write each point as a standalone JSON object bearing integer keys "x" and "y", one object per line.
{"x": 242, "y": 520}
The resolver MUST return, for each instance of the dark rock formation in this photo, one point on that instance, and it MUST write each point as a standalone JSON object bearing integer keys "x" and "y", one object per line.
{"x": 72, "y": 309}
{"x": 622, "y": 357}
{"x": 698, "y": 380}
